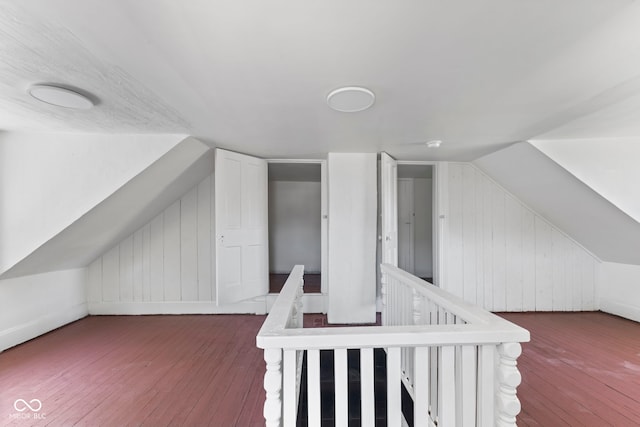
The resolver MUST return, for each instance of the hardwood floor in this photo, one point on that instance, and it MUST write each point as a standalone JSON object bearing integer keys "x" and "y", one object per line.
{"x": 139, "y": 370}
{"x": 580, "y": 369}
{"x": 312, "y": 283}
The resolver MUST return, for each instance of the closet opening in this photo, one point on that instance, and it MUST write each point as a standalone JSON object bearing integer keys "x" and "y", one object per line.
{"x": 415, "y": 219}
{"x": 295, "y": 223}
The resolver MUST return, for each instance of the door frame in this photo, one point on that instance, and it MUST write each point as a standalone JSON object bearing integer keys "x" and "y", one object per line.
{"x": 439, "y": 205}
{"x": 324, "y": 273}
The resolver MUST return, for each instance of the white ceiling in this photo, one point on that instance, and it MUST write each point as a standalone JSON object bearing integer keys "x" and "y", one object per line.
{"x": 253, "y": 75}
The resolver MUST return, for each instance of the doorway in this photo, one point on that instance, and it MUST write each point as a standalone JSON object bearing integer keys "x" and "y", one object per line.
{"x": 296, "y": 225}
{"x": 415, "y": 219}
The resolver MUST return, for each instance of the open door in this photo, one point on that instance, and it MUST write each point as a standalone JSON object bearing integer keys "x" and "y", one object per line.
{"x": 389, "y": 204}
{"x": 241, "y": 227}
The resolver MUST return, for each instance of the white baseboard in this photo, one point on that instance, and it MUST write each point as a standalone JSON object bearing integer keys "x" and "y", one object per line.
{"x": 182, "y": 307}
{"x": 620, "y": 309}
{"x": 40, "y": 325}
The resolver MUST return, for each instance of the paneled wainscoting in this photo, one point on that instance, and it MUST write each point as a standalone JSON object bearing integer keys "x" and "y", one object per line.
{"x": 580, "y": 369}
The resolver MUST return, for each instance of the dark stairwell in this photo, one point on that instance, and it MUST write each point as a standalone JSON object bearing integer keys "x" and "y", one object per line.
{"x": 327, "y": 386}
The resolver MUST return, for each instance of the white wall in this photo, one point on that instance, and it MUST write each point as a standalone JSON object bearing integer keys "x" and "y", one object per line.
{"x": 423, "y": 239}
{"x": 352, "y": 237}
{"x": 294, "y": 226}
{"x": 48, "y": 181}
{"x": 608, "y": 166}
{"x": 501, "y": 255}
{"x": 619, "y": 290}
{"x": 33, "y": 305}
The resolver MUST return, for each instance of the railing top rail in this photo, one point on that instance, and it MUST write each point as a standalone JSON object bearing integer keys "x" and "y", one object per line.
{"x": 279, "y": 314}
{"x": 483, "y": 327}
{"x": 392, "y": 336}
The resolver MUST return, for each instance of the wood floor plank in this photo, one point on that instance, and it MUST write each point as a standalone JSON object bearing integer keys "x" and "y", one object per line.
{"x": 139, "y": 370}
{"x": 580, "y": 369}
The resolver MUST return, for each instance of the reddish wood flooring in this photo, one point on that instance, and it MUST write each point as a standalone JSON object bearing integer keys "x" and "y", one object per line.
{"x": 139, "y": 370}
{"x": 580, "y": 369}
{"x": 312, "y": 284}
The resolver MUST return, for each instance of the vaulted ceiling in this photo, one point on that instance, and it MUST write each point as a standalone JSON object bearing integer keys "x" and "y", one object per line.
{"x": 253, "y": 76}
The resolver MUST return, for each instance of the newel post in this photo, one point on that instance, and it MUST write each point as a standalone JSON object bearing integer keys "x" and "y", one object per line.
{"x": 273, "y": 387}
{"x": 507, "y": 403}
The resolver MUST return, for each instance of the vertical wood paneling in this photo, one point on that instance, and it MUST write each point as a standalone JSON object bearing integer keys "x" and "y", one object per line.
{"x": 470, "y": 283}
{"x": 126, "y": 270}
{"x": 588, "y": 280}
{"x": 138, "y": 263}
{"x": 172, "y": 252}
{"x": 456, "y": 238}
{"x": 204, "y": 240}
{"x": 94, "y": 292}
{"x": 487, "y": 241}
{"x": 513, "y": 236}
{"x": 168, "y": 259}
{"x": 111, "y": 275}
{"x": 544, "y": 279}
{"x": 189, "y": 246}
{"x": 558, "y": 260}
{"x": 505, "y": 256}
{"x": 156, "y": 258}
{"x": 479, "y": 233}
{"x": 576, "y": 282}
{"x": 499, "y": 251}
{"x": 146, "y": 263}
{"x": 528, "y": 261}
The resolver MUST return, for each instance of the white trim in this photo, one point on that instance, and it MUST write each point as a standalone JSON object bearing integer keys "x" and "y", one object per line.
{"x": 41, "y": 325}
{"x": 621, "y": 309}
{"x": 324, "y": 221}
{"x": 195, "y": 307}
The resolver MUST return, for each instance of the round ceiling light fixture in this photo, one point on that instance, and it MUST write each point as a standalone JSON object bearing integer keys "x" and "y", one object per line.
{"x": 60, "y": 96}
{"x": 434, "y": 143}
{"x": 351, "y": 99}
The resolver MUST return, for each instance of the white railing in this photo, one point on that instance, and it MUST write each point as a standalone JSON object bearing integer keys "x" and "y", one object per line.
{"x": 457, "y": 361}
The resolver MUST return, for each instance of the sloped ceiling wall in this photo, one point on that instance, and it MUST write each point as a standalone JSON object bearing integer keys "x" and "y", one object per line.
{"x": 565, "y": 201}
{"x": 121, "y": 212}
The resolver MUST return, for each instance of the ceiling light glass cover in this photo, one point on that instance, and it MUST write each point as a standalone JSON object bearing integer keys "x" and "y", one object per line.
{"x": 351, "y": 99}
{"x": 60, "y": 97}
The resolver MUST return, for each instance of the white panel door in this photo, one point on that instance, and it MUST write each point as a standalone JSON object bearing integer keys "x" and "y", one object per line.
{"x": 241, "y": 223}
{"x": 389, "y": 205}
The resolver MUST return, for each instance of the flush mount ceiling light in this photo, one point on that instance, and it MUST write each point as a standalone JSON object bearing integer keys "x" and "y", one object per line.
{"x": 434, "y": 143}
{"x": 351, "y": 99}
{"x": 60, "y": 97}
